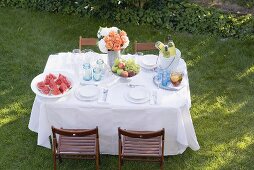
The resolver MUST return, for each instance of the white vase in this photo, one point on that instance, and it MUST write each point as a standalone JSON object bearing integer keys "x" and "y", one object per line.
{"x": 112, "y": 55}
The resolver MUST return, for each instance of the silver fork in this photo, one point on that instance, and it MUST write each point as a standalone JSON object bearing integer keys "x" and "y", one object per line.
{"x": 134, "y": 85}
{"x": 155, "y": 97}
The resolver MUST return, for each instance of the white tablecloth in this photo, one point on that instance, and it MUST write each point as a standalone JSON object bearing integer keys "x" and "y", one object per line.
{"x": 171, "y": 112}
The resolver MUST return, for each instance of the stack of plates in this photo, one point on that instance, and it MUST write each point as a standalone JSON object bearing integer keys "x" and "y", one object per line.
{"x": 137, "y": 95}
{"x": 87, "y": 93}
{"x": 149, "y": 61}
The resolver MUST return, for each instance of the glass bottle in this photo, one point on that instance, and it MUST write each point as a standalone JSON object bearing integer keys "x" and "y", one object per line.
{"x": 97, "y": 74}
{"x": 160, "y": 46}
{"x": 166, "y": 52}
{"x": 87, "y": 72}
{"x": 100, "y": 64}
{"x": 171, "y": 45}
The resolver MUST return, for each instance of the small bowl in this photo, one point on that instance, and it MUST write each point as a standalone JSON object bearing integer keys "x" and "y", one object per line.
{"x": 176, "y": 78}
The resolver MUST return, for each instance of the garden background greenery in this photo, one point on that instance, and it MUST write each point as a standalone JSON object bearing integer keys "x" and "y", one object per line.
{"x": 217, "y": 47}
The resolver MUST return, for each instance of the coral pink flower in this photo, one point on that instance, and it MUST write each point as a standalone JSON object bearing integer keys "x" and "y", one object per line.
{"x": 112, "y": 33}
{"x": 118, "y": 40}
{"x": 124, "y": 39}
{"x": 109, "y": 45}
{"x": 107, "y": 38}
{"x": 123, "y": 33}
{"x": 117, "y": 47}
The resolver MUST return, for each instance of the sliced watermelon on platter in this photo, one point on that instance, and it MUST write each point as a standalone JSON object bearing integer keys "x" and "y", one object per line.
{"x": 52, "y": 85}
{"x": 63, "y": 87}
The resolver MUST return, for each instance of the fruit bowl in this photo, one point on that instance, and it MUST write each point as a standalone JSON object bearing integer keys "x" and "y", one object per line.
{"x": 125, "y": 68}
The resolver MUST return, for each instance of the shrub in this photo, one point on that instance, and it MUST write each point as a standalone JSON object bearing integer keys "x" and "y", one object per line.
{"x": 178, "y": 15}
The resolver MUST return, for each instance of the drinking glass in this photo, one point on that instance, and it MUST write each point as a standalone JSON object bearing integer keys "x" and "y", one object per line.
{"x": 87, "y": 50}
{"x": 165, "y": 78}
{"x": 157, "y": 80}
{"x": 176, "y": 78}
{"x": 100, "y": 64}
{"x": 87, "y": 72}
{"x": 76, "y": 51}
{"x": 97, "y": 74}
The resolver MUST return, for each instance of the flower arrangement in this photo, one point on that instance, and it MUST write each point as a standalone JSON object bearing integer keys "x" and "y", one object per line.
{"x": 112, "y": 39}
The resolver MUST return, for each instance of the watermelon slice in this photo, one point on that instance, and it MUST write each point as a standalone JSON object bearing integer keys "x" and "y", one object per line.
{"x": 63, "y": 87}
{"x": 58, "y": 81}
{"x": 52, "y": 84}
{"x": 55, "y": 91}
{"x": 51, "y": 76}
{"x": 45, "y": 90}
{"x": 40, "y": 85}
{"x": 64, "y": 80}
{"x": 46, "y": 80}
{"x": 60, "y": 75}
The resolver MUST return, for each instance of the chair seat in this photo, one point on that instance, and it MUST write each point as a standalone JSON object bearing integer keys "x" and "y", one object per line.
{"x": 77, "y": 145}
{"x": 142, "y": 147}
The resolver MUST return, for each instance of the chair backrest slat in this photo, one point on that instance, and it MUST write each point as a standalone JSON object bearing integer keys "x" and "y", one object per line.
{"x": 76, "y": 133}
{"x": 87, "y": 42}
{"x": 144, "y": 46}
{"x": 141, "y": 134}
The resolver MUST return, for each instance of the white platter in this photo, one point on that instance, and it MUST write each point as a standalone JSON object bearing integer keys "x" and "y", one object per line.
{"x": 42, "y": 76}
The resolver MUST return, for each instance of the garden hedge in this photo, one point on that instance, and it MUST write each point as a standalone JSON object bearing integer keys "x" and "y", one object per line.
{"x": 178, "y": 15}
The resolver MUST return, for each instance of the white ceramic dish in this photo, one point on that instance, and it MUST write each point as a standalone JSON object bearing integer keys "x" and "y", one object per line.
{"x": 126, "y": 96}
{"x": 88, "y": 91}
{"x": 42, "y": 76}
{"x": 138, "y": 93}
{"x": 78, "y": 96}
{"x": 149, "y": 60}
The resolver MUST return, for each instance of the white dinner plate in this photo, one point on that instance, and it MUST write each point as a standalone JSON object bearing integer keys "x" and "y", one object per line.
{"x": 126, "y": 96}
{"x": 42, "y": 76}
{"x": 78, "y": 96}
{"x": 149, "y": 61}
{"x": 138, "y": 93}
{"x": 88, "y": 91}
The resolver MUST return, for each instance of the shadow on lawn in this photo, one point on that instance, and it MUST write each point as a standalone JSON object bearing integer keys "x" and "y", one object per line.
{"x": 222, "y": 108}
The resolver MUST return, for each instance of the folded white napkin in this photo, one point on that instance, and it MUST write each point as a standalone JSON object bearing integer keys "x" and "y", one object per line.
{"x": 153, "y": 97}
{"x": 103, "y": 96}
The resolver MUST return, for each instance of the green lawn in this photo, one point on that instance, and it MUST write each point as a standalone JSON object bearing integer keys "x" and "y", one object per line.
{"x": 221, "y": 74}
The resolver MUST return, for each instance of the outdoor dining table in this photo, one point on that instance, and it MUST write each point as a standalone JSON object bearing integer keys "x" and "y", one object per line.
{"x": 172, "y": 111}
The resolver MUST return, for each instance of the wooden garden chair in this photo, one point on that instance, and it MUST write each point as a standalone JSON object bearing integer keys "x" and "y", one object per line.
{"x": 76, "y": 144}
{"x": 141, "y": 145}
{"x": 147, "y": 46}
{"x": 87, "y": 42}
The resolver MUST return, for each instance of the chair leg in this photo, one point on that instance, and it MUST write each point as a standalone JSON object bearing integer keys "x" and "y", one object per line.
{"x": 119, "y": 162}
{"x": 60, "y": 159}
{"x": 97, "y": 161}
{"x": 161, "y": 164}
{"x": 54, "y": 160}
